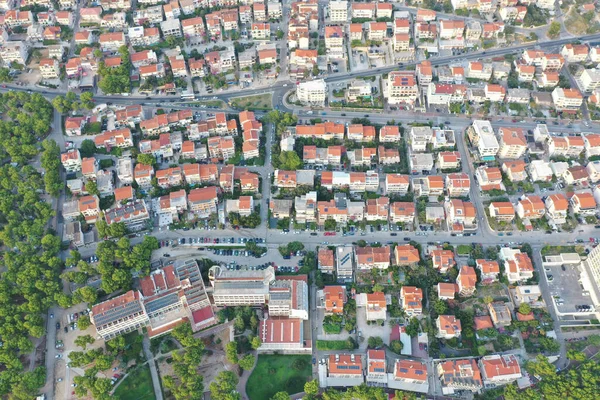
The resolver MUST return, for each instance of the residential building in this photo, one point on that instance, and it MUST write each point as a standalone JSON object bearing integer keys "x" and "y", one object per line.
{"x": 401, "y": 88}
{"x": 344, "y": 263}
{"x": 499, "y": 369}
{"x": 446, "y": 291}
{"x": 411, "y": 299}
{"x": 489, "y": 178}
{"x": 71, "y": 160}
{"x": 403, "y": 212}
{"x": 312, "y": 92}
{"x": 489, "y": 270}
{"x": 459, "y": 375}
{"x": 583, "y": 204}
{"x": 502, "y": 211}
{"x": 458, "y": 184}
{"x": 376, "y": 308}
{"x": 376, "y": 367}
{"x": 442, "y": 260}
{"x": 203, "y": 201}
{"x": 557, "y": 208}
{"x": 481, "y": 135}
{"x": 406, "y": 255}
{"x": 448, "y": 160}
{"x": 448, "y": 327}
{"x": 512, "y": 143}
{"x": 500, "y": 314}
{"x": 589, "y": 80}
{"x": 368, "y": 257}
{"x": 409, "y": 375}
{"x": 241, "y": 287}
{"x": 334, "y": 298}
{"x": 396, "y": 184}
{"x": 567, "y": 99}
{"x": 518, "y": 266}
{"x": 466, "y": 281}
{"x": 345, "y": 369}
{"x": 460, "y": 215}
{"x": 531, "y": 207}
{"x": 574, "y": 53}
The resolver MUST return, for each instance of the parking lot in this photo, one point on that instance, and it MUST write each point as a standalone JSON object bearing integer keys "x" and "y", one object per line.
{"x": 565, "y": 288}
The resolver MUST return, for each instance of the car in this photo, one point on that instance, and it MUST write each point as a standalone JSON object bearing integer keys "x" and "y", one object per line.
{"x": 66, "y": 329}
{"x": 57, "y": 325}
{"x": 166, "y": 255}
{"x": 313, "y": 234}
{"x": 550, "y": 278}
{"x": 563, "y": 268}
{"x": 393, "y": 234}
{"x": 314, "y": 360}
{"x": 58, "y": 356}
{"x": 407, "y": 239}
{"x": 59, "y": 380}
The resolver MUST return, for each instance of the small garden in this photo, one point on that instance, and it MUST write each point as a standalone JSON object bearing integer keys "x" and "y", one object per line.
{"x": 276, "y": 373}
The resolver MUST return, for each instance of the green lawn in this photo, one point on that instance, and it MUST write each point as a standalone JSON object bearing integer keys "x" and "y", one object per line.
{"x": 136, "y": 386}
{"x": 255, "y": 102}
{"x": 275, "y": 373}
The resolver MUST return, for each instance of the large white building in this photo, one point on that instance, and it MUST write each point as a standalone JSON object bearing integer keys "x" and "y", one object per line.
{"x": 483, "y": 138}
{"x": 338, "y": 11}
{"x": 312, "y": 93}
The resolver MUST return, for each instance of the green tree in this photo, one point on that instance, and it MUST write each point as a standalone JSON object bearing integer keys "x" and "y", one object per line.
{"x": 524, "y": 308}
{"x": 281, "y": 396}
{"x": 289, "y": 160}
{"x": 375, "y": 342}
{"x": 92, "y": 188}
{"x": 117, "y": 344}
{"x": 87, "y": 148}
{"x": 311, "y": 388}
{"x": 86, "y": 100}
{"x": 412, "y": 329}
{"x": 255, "y": 342}
{"x": 146, "y": 159}
{"x": 247, "y": 362}
{"x": 224, "y": 387}
{"x": 396, "y": 346}
{"x": 84, "y": 322}
{"x": 231, "y": 352}
{"x": 554, "y": 30}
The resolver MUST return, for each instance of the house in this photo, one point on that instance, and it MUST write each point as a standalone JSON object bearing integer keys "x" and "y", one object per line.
{"x": 576, "y": 175}
{"x": 388, "y": 156}
{"x": 515, "y": 170}
{"x": 409, "y": 375}
{"x": 489, "y": 270}
{"x": 112, "y": 41}
{"x": 89, "y": 168}
{"x": 593, "y": 170}
{"x": 334, "y": 298}
{"x": 458, "y": 184}
{"x": 574, "y": 53}
{"x": 123, "y": 194}
{"x": 442, "y": 260}
{"x": 448, "y": 327}
{"x": 402, "y": 212}
{"x": 489, "y": 178}
{"x": 500, "y": 314}
{"x": 446, "y": 291}
{"x": 326, "y": 261}
{"x": 360, "y": 133}
{"x": 502, "y": 211}
{"x": 500, "y": 369}
{"x": 71, "y": 160}
{"x": 377, "y": 209}
{"x": 244, "y": 206}
{"x": 396, "y": 184}
{"x": 203, "y": 201}
{"x": 540, "y": 171}
{"x": 376, "y": 367}
{"x": 460, "y": 215}
{"x": 557, "y": 207}
{"x": 513, "y": 144}
{"x": 406, "y": 255}
{"x": 389, "y": 134}
{"x": 432, "y": 185}
{"x": 312, "y": 92}
{"x": 143, "y": 175}
{"x": 448, "y": 160}
{"x": 411, "y": 299}
{"x": 459, "y": 375}
{"x": 49, "y": 68}
{"x": 531, "y": 207}
{"x": 592, "y": 144}
{"x": 345, "y": 369}
{"x": 494, "y": 92}
{"x": 369, "y": 257}
{"x": 376, "y": 308}
{"x": 281, "y": 208}
{"x": 567, "y": 99}
{"x": 583, "y": 204}
{"x": 518, "y": 266}
{"x": 89, "y": 207}
{"x": 525, "y": 72}
{"x": 466, "y": 281}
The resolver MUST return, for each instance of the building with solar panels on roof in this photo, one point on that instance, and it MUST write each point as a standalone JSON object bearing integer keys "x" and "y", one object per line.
{"x": 167, "y": 297}
{"x": 240, "y": 287}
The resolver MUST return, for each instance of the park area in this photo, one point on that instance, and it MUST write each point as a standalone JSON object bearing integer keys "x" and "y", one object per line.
{"x": 136, "y": 386}
{"x": 256, "y": 102}
{"x": 276, "y": 373}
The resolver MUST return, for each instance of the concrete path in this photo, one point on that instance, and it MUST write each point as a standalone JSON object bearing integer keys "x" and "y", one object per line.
{"x": 241, "y": 387}
{"x": 153, "y": 370}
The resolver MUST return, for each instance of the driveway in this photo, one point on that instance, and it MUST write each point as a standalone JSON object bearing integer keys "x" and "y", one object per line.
{"x": 371, "y": 330}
